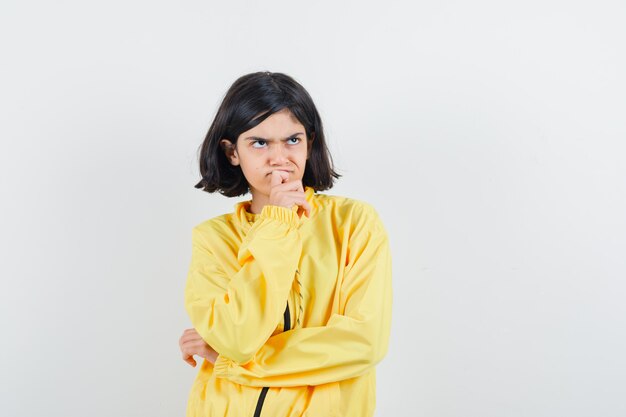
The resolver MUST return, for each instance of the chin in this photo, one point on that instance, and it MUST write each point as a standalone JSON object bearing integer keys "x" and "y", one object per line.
{"x": 263, "y": 189}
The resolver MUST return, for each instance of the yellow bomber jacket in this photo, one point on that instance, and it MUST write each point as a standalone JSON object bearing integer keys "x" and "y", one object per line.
{"x": 297, "y": 308}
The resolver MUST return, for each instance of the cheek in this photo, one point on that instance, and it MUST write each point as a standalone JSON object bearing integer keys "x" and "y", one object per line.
{"x": 255, "y": 173}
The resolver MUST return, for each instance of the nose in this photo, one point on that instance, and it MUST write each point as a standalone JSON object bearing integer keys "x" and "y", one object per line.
{"x": 278, "y": 155}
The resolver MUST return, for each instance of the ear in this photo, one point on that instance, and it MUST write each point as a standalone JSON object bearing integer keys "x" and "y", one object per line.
{"x": 230, "y": 150}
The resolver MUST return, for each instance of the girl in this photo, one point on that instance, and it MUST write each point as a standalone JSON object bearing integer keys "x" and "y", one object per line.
{"x": 290, "y": 294}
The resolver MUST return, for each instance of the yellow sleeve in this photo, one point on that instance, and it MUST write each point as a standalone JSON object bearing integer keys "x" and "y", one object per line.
{"x": 236, "y": 313}
{"x": 349, "y": 345}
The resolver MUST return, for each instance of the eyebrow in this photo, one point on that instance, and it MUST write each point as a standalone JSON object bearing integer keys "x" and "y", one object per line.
{"x": 259, "y": 138}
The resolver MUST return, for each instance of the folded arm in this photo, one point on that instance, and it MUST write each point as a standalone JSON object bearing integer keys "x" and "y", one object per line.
{"x": 350, "y": 344}
{"x": 236, "y": 313}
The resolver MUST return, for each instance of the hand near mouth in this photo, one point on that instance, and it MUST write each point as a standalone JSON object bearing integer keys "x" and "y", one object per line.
{"x": 287, "y": 193}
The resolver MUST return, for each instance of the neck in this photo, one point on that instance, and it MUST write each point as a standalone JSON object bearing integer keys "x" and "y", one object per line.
{"x": 259, "y": 200}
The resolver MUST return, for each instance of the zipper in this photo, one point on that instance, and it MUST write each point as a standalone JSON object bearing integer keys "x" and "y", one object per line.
{"x": 287, "y": 319}
{"x": 259, "y": 403}
{"x": 261, "y": 400}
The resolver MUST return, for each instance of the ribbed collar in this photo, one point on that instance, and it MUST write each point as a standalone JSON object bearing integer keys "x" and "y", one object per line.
{"x": 247, "y": 219}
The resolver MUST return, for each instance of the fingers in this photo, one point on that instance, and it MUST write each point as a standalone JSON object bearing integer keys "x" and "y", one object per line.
{"x": 188, "y": 334}
{"x": 277, "y": 178}
{"x": 186, "y": 344}
{"x": 280, "y": 181}
{"x": 189, "y": 337}
{"x": 288, "y": 193}
{"x": 197, "y": 348}
{"x": 305, "y": 208}
{"x": 191, "y": 343}
{"x": 190, "y": 360}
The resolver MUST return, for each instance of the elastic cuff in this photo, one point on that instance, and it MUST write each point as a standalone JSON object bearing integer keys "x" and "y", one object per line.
{"x": 221, "y": 366}
{"x": 282, "y": 214}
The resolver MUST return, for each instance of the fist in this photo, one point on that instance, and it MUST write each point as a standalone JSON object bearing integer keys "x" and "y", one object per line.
{"x": 287, "y": 193}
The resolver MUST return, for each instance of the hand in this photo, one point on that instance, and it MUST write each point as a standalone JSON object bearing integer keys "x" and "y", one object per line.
{"x": 192, "y": 344}
{"x": 286, "y": 193}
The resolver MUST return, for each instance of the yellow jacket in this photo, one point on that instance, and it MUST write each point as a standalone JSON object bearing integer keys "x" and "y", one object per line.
{"x": 298, "y": 309}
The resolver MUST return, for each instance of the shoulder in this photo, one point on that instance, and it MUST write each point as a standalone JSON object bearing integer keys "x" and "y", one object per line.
{"x": 351, "y": 210}
{"x": 217, "y": 228}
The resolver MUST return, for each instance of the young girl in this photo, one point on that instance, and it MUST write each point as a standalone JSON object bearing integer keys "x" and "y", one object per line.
{"x": 290, "y": 294}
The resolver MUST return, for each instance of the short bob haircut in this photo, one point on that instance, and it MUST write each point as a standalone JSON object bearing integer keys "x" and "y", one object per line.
{"x": 262, "y": 93}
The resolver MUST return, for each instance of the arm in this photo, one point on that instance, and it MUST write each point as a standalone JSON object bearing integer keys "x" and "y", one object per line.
{"x": 350, "y": 344}
{"x": 236, "y": 313}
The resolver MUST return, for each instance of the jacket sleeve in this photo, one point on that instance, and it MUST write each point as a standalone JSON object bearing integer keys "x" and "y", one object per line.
{"x": 349, "y": 345}
{"x": 236, "y": 313}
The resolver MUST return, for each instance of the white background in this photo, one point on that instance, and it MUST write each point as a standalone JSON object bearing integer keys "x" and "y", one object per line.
{"x": 489, "y": 135}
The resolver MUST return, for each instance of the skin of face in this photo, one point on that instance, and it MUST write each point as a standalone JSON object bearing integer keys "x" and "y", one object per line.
{"x": 277, "y": 143}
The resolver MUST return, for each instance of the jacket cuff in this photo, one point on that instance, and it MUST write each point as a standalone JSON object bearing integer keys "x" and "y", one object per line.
{"x": 221, "y": 366}
{"x": 282, "y": 214}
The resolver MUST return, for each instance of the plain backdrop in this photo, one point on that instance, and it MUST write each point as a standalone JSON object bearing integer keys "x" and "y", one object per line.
{"x": 489, "y": 136}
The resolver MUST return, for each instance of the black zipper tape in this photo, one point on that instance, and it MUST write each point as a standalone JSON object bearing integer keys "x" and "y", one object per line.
{"x": 259, "y": 403}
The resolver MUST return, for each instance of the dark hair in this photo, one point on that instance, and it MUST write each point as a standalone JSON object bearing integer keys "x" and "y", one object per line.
{"x": 252, "y": 94}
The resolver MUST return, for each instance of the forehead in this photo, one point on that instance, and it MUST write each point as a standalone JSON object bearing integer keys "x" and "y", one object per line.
{"x": 281, "y": 123}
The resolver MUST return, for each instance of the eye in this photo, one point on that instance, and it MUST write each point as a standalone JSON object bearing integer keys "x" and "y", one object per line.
{"x": 258, "y": 141}
{"x": 296, "y": 139}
